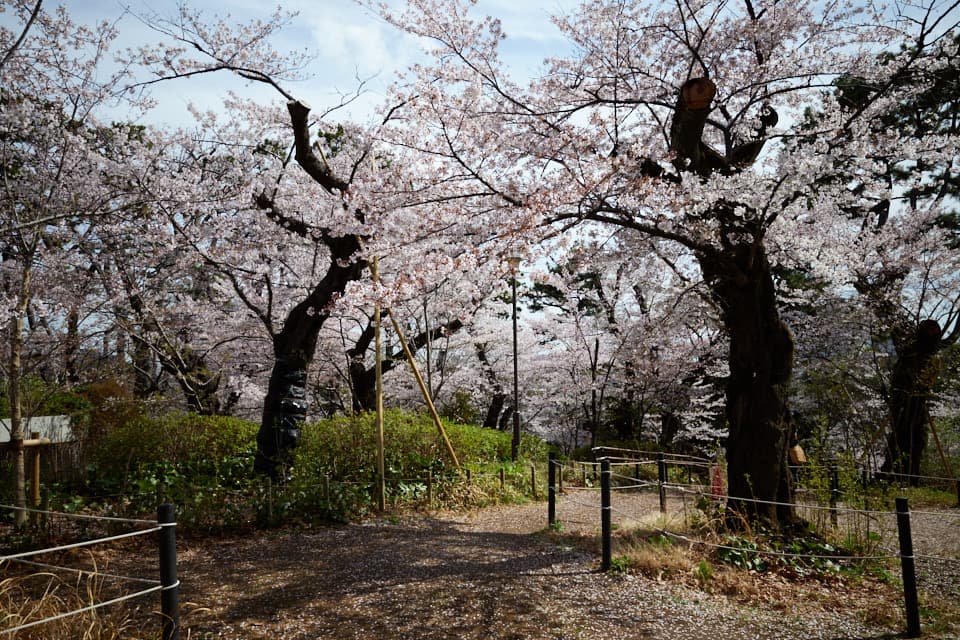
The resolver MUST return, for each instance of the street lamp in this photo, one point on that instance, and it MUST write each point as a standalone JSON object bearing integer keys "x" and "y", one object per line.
{"x": 515, "y": 444}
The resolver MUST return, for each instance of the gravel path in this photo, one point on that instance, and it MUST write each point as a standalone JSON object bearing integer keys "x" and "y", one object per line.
{"x": 491, "y": 574}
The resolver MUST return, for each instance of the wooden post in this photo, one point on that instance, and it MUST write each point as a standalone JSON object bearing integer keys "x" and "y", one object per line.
{"x": 35, "y": 477}
{"x": 661, "y": 481}
{"x": 429, "y": 489}
{"x": 503, "y": 479}
{"x": 551, "y": 489}
{"x": 605, "y": 509}
{"x": 533, "y": 481}
{"x": 269, "y": 482}
{"x": 834, "y": 492}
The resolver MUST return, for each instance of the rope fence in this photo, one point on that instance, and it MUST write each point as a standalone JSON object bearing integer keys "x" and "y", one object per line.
{"x": 168, "y": 585}
{"x": 878, "y": 520}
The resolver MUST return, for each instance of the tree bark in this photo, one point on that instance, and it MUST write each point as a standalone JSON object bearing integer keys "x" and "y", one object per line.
{"x": 761, "y": 346}
{"x": 761, "y": 363}
{"x": 363, "y": 379}
{"x": 914, "y": 375}
{"x": 285, "y": 405}
{"x": 16, "y": 410}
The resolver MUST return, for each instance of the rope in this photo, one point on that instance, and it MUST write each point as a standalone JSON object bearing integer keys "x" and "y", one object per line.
{"x": 666, "y": 455}
{"x": 936, "y": 514}
{"x": 77, "y": 545}
{"x": 87, "y": 609}
{"x": 789, "y": 504}
{"x": 780, "y": 554}
{"x": 85, "y": 572}
{"x": 79, "y": 516}
{"x": 581, "y": 504}
{"x": 937, "y": 558}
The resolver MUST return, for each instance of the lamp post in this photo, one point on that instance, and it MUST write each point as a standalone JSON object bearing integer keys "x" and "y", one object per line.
{"x": 515, "y": 443}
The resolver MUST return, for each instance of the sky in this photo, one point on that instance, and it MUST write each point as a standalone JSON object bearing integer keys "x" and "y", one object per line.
{"x": 347, "y": 40}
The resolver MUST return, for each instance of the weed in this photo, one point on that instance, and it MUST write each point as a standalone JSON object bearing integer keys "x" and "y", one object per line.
{"x": 620, "y": 564}
{"x": 703, "y": 572}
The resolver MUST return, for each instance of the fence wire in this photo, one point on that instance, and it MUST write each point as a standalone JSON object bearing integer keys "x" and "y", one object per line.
{"x": 21, "y": 558}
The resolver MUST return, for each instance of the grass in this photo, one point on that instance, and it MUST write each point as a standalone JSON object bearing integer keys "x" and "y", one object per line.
{"x": 39, "y": 596}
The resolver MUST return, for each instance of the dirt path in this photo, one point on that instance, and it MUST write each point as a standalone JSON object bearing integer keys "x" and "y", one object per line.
{"x": 492, "y": 574}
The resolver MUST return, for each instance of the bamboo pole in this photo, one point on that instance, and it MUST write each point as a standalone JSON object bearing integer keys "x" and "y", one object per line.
{"x": 381, "y": 465}
{"x": 943, "y": 456}
{"x": 423, "y": 389}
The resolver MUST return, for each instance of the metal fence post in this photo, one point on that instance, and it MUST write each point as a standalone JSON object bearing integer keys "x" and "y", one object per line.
{"x": 605, "y": 509}
{"x": 908, "y": 568}
{"x": 170, "y": 593}
{"x": 551, "y": 488}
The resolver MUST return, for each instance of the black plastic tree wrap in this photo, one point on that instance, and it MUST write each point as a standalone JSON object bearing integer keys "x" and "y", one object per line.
{"x": 280, "y": 430}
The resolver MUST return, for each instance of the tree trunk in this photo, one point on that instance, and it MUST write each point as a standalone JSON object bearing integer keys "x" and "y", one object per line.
{"x": 285, "y": 405}
{"x": 16, "y": 415}
{"x": 497, "y": 403}
{"x": 914, "y": 375}
{"x": 761, "y": 363}
{"x": 363, "y": 379}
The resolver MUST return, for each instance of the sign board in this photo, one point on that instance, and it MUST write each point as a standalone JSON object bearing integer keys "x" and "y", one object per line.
{"x": 56, "y": 428}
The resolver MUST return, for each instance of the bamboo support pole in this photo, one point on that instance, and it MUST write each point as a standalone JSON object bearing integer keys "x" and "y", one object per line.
{"x": 423, "y": 389}
{"x": 381, "y": 466}
{"x": 943, "y": 456}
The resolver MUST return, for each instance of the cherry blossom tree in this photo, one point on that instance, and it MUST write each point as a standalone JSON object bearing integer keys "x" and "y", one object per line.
{"x": 57, "y": 161}
{"x": 680, "y": 122}
{"x": 906, "y": 256}
{"x": 311, "y": 228}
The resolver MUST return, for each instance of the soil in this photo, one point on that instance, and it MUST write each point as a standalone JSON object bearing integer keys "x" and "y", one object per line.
{"x": 500, "y": 573}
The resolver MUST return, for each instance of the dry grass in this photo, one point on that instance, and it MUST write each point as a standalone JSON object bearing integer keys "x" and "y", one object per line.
{"x": 38, "y": 596}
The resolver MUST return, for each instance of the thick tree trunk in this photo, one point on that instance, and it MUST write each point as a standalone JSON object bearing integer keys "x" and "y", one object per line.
{"x": 761, "y": 363}
{"x": 761, "y": 346}
{"x": 285, "y": 405}
{"x": 911, "y": 383}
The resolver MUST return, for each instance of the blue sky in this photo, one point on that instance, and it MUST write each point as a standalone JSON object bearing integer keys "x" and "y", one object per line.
{"x": 348, "y": 42}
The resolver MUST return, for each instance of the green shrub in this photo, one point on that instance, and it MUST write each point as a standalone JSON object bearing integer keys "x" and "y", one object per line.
{"x": 204, "y": 465}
